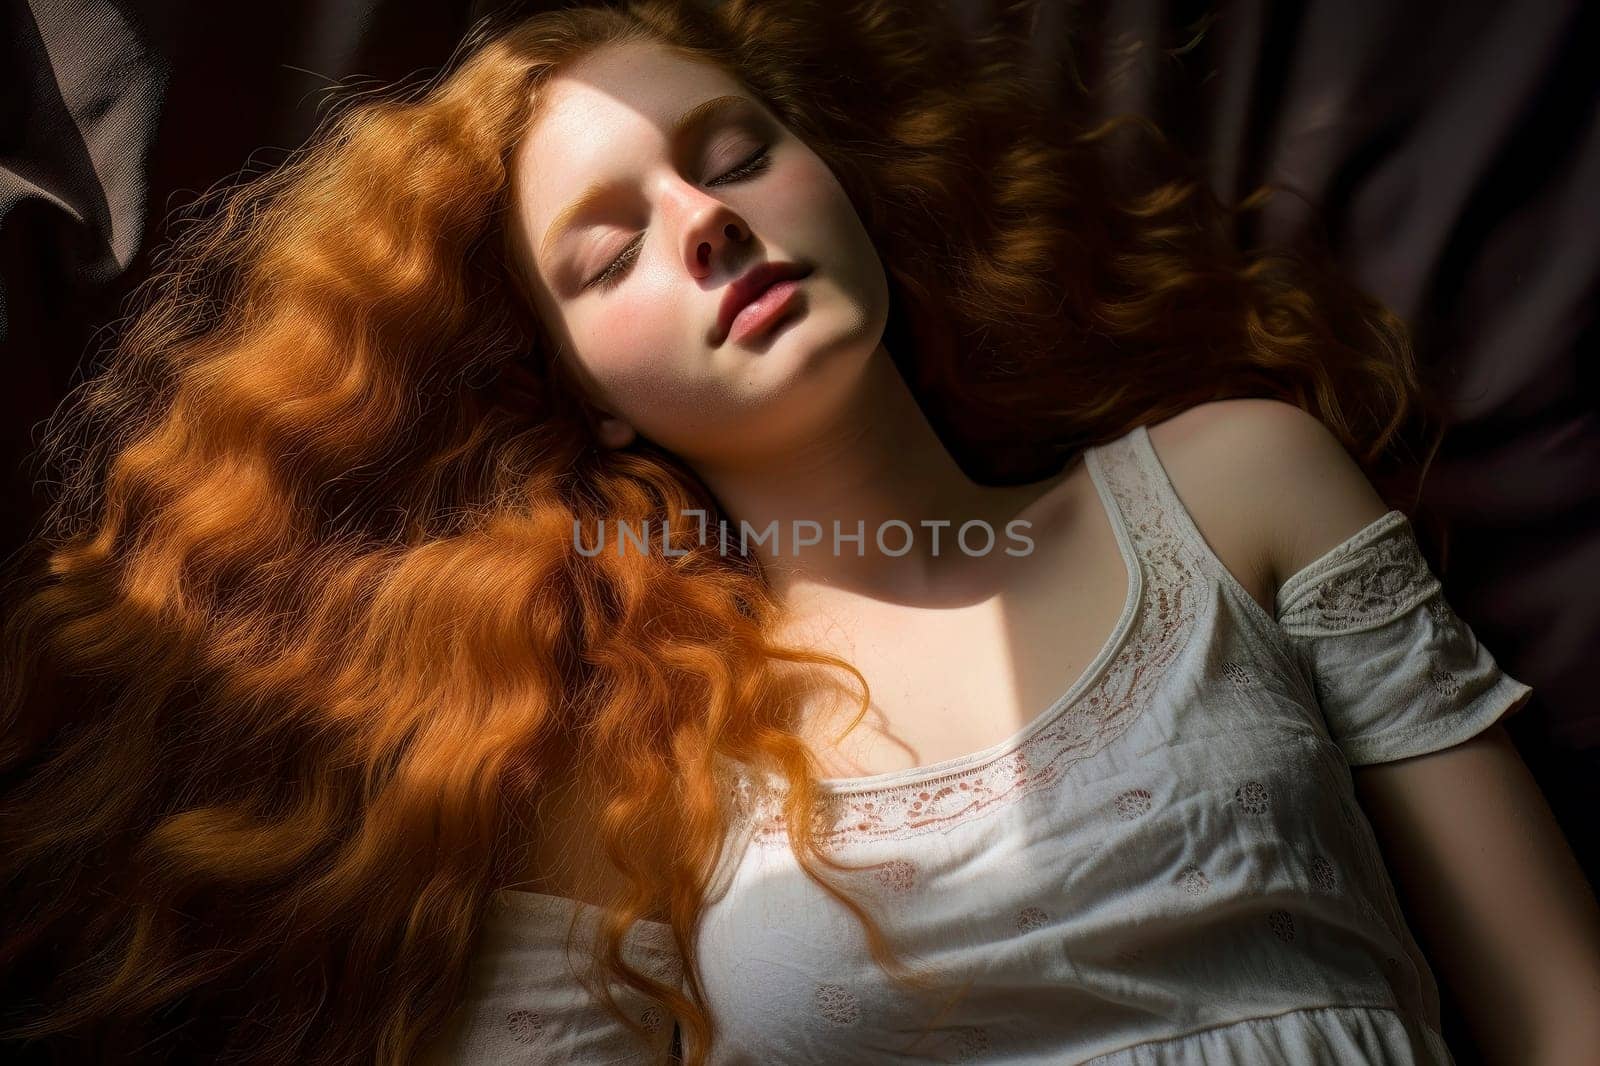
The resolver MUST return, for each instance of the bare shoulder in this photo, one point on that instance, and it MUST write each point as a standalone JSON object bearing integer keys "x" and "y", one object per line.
{"x": 1267, "y": 479}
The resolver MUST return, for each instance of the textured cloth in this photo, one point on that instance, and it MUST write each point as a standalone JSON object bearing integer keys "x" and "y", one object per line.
{"x": 528, "y": 1002}
{"x": 1167, "y": 865}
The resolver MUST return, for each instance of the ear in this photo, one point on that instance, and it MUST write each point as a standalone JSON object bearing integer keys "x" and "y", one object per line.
{"x": 517, "y": 377}
{"x": 614, "y": 432}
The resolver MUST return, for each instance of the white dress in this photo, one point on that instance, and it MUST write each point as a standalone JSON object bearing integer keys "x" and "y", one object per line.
{"x": 1168, "y": 865}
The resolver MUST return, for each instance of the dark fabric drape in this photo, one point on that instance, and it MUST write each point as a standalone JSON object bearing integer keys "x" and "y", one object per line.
{"x": 1452, "y": 150}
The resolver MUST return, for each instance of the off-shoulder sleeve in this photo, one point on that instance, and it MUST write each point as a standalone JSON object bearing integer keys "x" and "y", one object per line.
{"x": 1396, "y": 672}
{"x": 526, "y": 1004}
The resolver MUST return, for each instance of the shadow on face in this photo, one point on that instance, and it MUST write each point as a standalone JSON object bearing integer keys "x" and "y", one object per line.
{"x": 647, "y": 183}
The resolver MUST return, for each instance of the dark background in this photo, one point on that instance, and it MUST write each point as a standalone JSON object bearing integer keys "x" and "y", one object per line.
{"x": 1452, "y": 149}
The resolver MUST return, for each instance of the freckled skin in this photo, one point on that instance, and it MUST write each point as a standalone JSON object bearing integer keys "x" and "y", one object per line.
{"x": 643, "y": 348}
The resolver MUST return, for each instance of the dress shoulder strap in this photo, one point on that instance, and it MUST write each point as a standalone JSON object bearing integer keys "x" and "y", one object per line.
{"x": 1162, "y": 526}
{"x": 1157, "y": 523}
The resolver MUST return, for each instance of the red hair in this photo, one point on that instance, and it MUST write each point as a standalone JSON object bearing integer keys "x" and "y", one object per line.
{"x": 304, "y": 637}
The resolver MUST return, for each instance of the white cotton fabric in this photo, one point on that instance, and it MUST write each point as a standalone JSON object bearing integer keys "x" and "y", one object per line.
{"x": 1167, "y": 866}
{"x": 526, "y": 1005}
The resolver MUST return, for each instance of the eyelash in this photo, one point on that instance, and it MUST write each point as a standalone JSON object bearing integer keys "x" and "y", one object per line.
{"x": 612, "y": 274}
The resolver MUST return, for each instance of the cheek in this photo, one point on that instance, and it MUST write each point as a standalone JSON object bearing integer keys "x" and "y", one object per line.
{"x": 820, "y": 221}
{"x": 609, "y": 333}
{"x": 809, "y": 204}
{"x": 630, "y": 343}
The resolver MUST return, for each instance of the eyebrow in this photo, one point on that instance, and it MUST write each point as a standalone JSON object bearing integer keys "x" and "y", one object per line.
{"x": 698, "y": 115}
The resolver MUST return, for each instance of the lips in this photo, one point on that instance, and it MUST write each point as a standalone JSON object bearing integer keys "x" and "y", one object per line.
{"x": 745, "y": 289}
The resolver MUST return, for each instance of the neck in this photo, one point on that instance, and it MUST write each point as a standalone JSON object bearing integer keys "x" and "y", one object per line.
{"x": 877, "y": 463}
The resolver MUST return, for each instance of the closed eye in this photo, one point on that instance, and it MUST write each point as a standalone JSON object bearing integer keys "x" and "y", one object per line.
{"x": 613, "y": 272}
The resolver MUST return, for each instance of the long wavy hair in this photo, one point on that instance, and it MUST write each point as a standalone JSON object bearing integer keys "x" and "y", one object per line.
{"x": 304, "y": 637}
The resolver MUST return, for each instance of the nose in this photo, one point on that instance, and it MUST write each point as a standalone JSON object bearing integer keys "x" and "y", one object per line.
{"x": 711, "y": 231}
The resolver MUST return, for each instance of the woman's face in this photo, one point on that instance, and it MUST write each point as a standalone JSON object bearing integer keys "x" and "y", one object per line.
{"x": 667, "y": 217}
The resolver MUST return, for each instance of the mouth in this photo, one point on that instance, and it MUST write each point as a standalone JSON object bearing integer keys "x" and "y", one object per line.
{"x": 754, "y": 299}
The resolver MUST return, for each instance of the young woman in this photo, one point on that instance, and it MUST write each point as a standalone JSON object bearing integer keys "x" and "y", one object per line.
{"x": 337, "y": 729}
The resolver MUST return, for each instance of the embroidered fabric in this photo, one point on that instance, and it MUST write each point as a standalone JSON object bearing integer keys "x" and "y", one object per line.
{"x": 526, "y": 1001}
{"x": 1394, "y": 668}
{"x": 1169, "y": 864}
{"x": 1097, "y": 708}
{"x": 1367, "y": 580}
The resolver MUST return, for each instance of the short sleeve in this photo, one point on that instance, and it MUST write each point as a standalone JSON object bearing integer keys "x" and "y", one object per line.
{"x": 525, "y": 1003}
{"x": 1396, "y": 672}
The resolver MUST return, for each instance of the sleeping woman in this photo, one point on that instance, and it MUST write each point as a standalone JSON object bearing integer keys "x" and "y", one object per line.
{"x": 731, "y": 535}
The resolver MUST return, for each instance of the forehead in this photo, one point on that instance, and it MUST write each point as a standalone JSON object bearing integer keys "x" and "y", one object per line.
{"x": 605, "y": 108}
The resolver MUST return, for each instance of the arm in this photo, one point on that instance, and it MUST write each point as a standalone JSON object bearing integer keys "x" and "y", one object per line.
{"x": 1496, "y": 895}
{"x": 1492, "y": 888}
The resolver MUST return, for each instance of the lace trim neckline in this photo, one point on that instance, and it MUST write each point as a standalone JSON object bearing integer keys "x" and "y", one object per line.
{"x": 933, "y": 774}
{"x": 1102, "y": 705}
